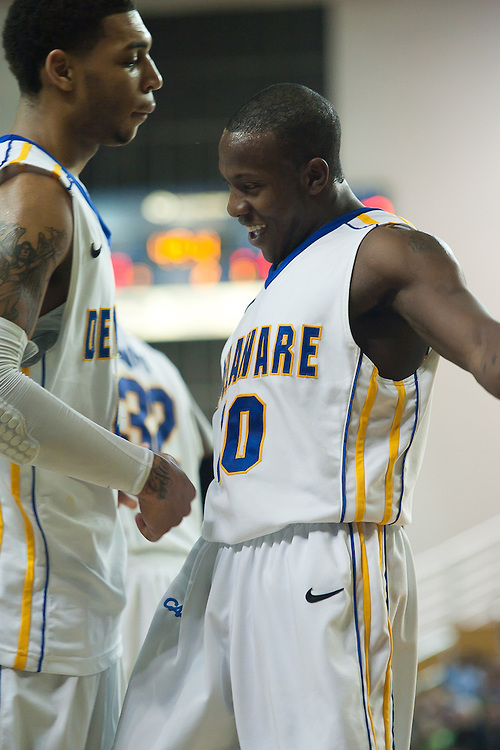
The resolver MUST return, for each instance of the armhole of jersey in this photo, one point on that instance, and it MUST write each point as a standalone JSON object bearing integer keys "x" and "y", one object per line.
{"x": 392, "y": 221}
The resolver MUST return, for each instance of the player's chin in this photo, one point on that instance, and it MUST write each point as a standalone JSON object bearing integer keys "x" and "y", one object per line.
{"x": 123, "y": 136}
{"x": 266, "y": 251}
{"x": 255, "y": 239}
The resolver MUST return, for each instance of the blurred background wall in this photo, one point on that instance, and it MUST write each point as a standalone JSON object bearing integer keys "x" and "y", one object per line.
{"x": 416, "y": 85}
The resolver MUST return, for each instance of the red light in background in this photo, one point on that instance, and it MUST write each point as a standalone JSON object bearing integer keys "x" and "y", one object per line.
{"x": 246, "y": 264}
{"x": 123, "y": 269}
{"x": 379, "y": 201}
{"x": 263, "y": 265}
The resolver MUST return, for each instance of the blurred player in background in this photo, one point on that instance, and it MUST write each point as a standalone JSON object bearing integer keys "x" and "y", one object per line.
{"x": 86, "y": 79}
{"x": 156, "y": 409}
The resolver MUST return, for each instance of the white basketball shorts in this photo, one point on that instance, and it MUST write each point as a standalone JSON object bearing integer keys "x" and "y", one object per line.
{"x": 148, "y": 575}
{"x": 42, "y": 711}
{"x": 305, "y": 638}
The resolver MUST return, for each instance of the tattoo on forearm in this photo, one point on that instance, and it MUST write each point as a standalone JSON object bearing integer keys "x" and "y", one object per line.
{"x": 159, "y": 479}
{"x": 24, "y": 269}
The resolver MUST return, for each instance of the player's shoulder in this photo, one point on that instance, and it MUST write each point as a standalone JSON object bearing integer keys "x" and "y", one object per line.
{"x": 34, "y": 193}
{"x": 393, "y": 257}
{"x": 398, "y": 246}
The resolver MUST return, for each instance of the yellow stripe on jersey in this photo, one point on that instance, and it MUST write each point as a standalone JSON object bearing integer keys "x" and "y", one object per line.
{"x": 24, "y": 153}
{"x": 405, "y": 221}
{"x": 360, "y": 446}
{"x": 367, "y": 612}
{"x": 24, "y": 631}
{"x": 393, "y": 450}
{"x": 57, "y": 171}
{"x": 388, "y": 672}
{"x": 367, "y": 219}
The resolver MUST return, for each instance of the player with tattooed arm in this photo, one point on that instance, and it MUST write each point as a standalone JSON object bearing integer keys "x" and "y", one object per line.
{"x": 86, "y": 79}
{"x": 295, "y": 623}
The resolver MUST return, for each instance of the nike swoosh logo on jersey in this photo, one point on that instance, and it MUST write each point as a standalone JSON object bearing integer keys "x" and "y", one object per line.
{"x": 95, "y": 252}
{"x": 313, "y": 598}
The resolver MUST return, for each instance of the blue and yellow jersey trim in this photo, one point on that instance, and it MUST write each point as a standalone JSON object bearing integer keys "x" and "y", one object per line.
{"x": 28, "y": 590}
{"x": 23, "y": 151}
{"x": 376, "y": 217}
{"x": 362, "y": 573}
{"x": 27, "y": 597}
{"x": 404, "y": 400}
{"x": 358, "y": 219}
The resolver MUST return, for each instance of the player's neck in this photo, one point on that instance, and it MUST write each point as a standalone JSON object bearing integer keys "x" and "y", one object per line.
{"x": 48, "y": 129}
{"x": 344, "y": 200}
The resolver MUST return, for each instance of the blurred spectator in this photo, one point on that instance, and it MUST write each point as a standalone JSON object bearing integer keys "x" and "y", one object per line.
{"x": 462, "y": 711}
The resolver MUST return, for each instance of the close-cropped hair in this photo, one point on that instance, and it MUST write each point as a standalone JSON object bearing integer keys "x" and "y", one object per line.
{"x": 304, "y": 123}
{"x": 33, "y": 28}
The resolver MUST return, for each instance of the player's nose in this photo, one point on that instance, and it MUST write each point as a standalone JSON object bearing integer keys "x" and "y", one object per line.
{"x": 236, "y": 204}
{"x": 153, "y": 79}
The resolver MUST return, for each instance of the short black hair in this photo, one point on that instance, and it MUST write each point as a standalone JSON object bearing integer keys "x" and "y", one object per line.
{"x": 33, "y": 28}
{"x": 305, "y": 124}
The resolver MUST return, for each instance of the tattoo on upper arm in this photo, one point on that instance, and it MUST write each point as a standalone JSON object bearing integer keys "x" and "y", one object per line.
{"x": 426, "y": 244}
{"x": 25, "y": 269}
{"x": 491, "y": 364}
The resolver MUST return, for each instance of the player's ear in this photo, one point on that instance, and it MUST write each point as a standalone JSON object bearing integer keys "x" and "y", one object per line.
{"x": 58, "y": 70}
{"x": 316, "y": 174}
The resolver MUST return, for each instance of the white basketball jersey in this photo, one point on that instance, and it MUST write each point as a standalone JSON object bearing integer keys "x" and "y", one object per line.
{"x": 62, "y": 553}
{"x": 306, "y": 430}
{"x": 156, "y": 408}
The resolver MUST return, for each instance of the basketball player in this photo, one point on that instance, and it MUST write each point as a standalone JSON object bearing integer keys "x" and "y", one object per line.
{"x": 86, "y": 78}
{"x": 156, "y": 408}
{"x": 297, "y": 623}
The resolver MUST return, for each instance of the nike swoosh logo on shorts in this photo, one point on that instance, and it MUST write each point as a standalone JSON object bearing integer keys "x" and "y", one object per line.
{"x": 313, "y": 598}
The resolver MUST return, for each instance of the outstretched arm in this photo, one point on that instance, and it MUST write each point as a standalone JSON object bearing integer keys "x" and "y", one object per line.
{"x": 417, "y": 277}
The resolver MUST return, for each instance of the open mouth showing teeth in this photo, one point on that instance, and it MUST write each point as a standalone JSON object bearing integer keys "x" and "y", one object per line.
{"x": 254, "y": 230}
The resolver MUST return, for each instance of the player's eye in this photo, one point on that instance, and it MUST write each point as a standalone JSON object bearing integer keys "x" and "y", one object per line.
{"x": 131, "y": 63}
